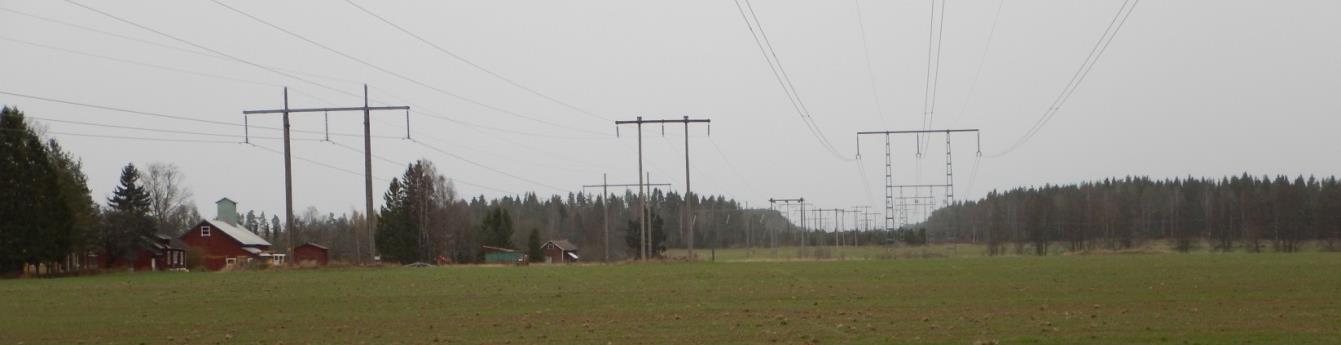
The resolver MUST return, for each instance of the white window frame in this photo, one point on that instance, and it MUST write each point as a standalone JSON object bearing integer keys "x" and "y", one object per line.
{"x": 205, "y": 230}
{"x": 230, "y": 261}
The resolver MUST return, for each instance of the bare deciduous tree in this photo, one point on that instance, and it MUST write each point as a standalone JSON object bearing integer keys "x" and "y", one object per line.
{"x": 170, "y": 199}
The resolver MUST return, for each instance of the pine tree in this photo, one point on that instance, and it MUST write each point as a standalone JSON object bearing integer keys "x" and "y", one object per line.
{"x": 533, "y": 246}
{"x": 127, "y": 221}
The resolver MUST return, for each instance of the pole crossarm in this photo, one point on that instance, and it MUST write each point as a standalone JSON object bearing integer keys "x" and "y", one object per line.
{"x": 625, "y": 185}
{"x": 318, "y": 110}
{"x": 288, "y": 161}
{"x": 630, "y": 122}
{"x": 686, "y": 223}
{"x": 920, "y": 185}
{"x": 926, "y": 131}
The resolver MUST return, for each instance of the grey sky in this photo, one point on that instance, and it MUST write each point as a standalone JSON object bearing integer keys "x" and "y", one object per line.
{"x": 1202, "y": 88}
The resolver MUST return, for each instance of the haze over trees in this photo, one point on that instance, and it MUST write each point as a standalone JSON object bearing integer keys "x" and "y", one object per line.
{"x": 1249, "y": 213}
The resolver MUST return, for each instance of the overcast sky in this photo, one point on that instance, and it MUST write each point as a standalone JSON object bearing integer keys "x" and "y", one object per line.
{"x": 1202, "y": 88}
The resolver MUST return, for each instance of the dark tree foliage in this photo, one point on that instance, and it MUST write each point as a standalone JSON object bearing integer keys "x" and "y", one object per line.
{"x": 533, "y": 244}
{"x": 126, "y": 222}
{"x": 36, "y": 223}
{"x": 496, "y": 228}
{"x": 633, "y": 236}
{"x": 396, "y": 238}
{"x": 1244, "y": 212}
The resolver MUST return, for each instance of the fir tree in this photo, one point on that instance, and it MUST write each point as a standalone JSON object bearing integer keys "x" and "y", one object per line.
{"x": 127, "y": 221}
{"x": 533, "y": 246}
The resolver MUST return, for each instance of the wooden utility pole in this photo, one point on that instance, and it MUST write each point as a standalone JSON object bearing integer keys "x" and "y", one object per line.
{"x": 288, "y": 158}
{"x": 685, "y": 221}
{"x": 605, "y": 191}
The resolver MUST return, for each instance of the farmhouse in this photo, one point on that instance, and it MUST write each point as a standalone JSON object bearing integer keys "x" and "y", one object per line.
{"x": 560, "y": 251}
{"x": 160, "y": 252}
{"x": 311, "y": 254}
{"x": 226, "y": 244}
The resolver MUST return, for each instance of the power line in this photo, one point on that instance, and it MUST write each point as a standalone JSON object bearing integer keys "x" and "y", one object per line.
{"x": 134, "y": 128}
{"x": 323, "y": 164}
{"x": 393, "y": 73}
{"x": 395, "y": 163}
{"x": 471, "y": 162}
{"x": 145, "y": 113}
{"x": 151, "y": 65}
{"x": 167, "y": 116}
{"x": 784, "y": 80}
{"x": 866, "y": 51}
{"x": 1100, "y": 46}
{"x": 973, "y": 86}
{"x": 214, "y": 51}
{"x": 473, "y": 64}
{"x": 103, "y": 136}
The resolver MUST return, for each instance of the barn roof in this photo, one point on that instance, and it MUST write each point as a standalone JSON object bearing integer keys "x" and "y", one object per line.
{"x": 244, "y": 236}
{"x": 498, "y": 249}
{"x": 313, "y": 244}
{"x": 563, "y": 244}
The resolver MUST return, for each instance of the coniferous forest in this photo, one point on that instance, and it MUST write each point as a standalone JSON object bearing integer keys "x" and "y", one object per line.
{"x": 1240, "y": 213}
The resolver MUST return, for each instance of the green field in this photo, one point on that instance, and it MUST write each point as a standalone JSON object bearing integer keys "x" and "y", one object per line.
{"x": 1092, "y": 299}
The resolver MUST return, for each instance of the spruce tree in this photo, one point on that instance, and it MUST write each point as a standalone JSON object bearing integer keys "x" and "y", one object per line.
{"x": 128, "y": 220}
{"x": 533, "y": 246}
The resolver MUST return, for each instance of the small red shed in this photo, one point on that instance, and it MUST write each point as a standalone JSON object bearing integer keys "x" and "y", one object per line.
{"x": 311, "y": 252}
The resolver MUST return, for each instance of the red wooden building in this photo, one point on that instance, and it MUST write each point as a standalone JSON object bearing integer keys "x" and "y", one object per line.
{"x": 311, "y": 253}
{"x": 560, "y": 251}
{"x": 160, "y": 253}
{"x": 225, "y": 243}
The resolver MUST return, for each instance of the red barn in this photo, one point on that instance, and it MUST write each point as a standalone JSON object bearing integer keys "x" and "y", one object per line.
{"x": 560, "y": 251}
{"x": 311, "y": 252}
{"x": 160, "y": 252}
{"x": 225, "y": 243}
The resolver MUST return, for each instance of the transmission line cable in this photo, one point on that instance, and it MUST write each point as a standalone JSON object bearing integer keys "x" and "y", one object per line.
{"x": 393, "y": 73}
{"x": 775, "y": 66}
{"x": 866, "y": 52}
{"x": 1100, "y": 46}
{"x": 473, "y": 64}
{"x": 973, "y": 86}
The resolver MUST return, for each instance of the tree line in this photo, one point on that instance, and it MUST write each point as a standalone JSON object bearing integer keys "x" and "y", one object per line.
{"x": 1245, "y": 212}
{"x": 50, "y": 219}
{"x": 424, "y": 218}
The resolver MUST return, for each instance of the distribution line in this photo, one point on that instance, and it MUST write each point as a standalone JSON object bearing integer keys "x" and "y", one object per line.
{"x": 393, "y": 73}
{"x": 104, "y": 32}
{"x": 170, "y": 116}
{"x": 316, "y": 162}
{"x": 733, "y": 168}
{"x": 214, "y": 51}
{"x": 473, "y": 64}
{"x": 160, "y": 67}
{"x": 398, "y": 164}
{"x": 135, "y": 128}
{"x": 103, "y": 136}
{"x": 504, "y": 173}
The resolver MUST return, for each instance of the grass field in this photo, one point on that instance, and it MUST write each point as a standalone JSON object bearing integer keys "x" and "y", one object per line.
{"x": 1092, "y": 299}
